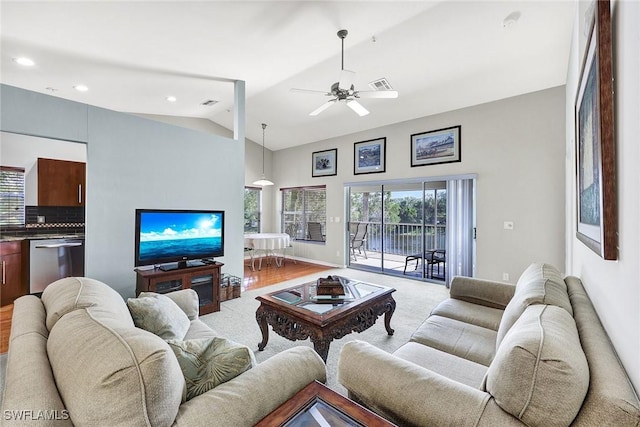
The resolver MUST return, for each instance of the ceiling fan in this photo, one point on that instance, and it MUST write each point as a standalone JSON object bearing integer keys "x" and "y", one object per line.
{"x": 344, "y": 91}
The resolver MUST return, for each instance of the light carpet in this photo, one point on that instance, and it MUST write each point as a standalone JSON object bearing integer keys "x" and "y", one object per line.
{"x": 414, "y": 301}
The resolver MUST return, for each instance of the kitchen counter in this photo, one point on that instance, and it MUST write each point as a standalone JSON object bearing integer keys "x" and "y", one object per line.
{"x": 40, "y": 236}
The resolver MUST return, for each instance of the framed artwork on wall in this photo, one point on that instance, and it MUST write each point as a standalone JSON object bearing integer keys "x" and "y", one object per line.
{"x": 595, "y": 144}
{"x": 324, "y": 163}
{"x": 436, "y": 146}
{"x": 369, "y": 156}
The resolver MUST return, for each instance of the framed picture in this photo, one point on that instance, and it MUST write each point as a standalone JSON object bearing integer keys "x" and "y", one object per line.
{"x": 595, "y": 145}
{"x": 325, "y": 163}
{"x": 369, "y": 156}
{"x": 435, "y": 147}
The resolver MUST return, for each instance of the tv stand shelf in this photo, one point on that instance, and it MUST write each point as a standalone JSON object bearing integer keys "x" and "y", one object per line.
{"x": 204, "y": 279}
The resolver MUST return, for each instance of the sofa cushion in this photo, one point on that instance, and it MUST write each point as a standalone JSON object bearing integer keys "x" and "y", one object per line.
{"x": 540, "y": 374}
{"x": 209, "y": 362}
{"x": 468, "y": 312}
{"x": 462, "y": 339}
{"x": 74, "y": 293}
{"x": 121, "y": 376}
{"x": 158, "y": 314}
{"x": 453, "y": 367}
{"x": 539, "y": 284}
{"x": 187, "y": 300}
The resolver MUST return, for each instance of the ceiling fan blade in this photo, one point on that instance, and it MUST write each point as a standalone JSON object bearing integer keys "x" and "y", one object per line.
{"x": 376, "y": 94}
{"x": 357, "y": 107}
{"x": 346, "y": 79}
{"x": 314, "y": 92}
{"x": 322, "y": 107}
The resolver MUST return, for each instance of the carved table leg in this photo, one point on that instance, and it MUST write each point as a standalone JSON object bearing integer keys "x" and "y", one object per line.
{"x": 261, "y": 318}
{"x": 388, "y": 314}
{"x": 321, "y": 346}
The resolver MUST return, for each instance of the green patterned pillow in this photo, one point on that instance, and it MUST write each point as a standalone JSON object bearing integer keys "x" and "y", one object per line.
{"x": 209, "y": 362}
{"x": 158, "y": 314}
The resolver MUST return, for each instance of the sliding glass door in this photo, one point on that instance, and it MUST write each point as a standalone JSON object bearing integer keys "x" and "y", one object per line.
{"x": 364, "y": 227}
{"x": 419, "y": 229}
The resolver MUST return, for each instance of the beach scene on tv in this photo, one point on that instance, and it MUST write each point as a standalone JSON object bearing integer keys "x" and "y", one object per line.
{"x": 166, "y": 235}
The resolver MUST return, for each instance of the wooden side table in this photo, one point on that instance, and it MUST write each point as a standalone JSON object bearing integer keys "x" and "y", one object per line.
{"x": 317, "y": 404}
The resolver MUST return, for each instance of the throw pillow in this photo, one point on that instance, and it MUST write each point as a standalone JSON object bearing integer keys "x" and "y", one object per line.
{"x": 158, "y": 314}
{"x": 209, "y": 362}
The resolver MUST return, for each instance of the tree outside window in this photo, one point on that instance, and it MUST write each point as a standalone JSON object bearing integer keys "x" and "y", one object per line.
{"x": 252, "y": 203}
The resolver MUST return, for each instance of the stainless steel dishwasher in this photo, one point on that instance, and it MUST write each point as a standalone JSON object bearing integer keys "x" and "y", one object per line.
{"x": 53, "y": 259}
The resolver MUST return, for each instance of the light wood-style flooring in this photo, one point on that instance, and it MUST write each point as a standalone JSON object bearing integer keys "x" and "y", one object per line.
{"x": 269, "y": 275}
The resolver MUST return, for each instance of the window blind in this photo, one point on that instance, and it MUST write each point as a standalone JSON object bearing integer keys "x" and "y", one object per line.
{"x": 300, "y": 206}
{"x": 11, "y": 196}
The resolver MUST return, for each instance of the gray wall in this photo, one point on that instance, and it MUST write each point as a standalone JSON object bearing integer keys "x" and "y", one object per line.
{"x": 516, "y": 148}
{"x": 133, "y": 162}
{"x": 612, "y": 285}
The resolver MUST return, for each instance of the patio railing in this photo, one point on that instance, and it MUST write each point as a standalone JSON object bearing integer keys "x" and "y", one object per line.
{"x": 404, "y": 239}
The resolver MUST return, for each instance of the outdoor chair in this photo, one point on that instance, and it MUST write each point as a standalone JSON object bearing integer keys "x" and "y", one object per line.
{"x": 431, "y": 257}
{"x": 314, "y": 231}
{"x": 359, "y": 239}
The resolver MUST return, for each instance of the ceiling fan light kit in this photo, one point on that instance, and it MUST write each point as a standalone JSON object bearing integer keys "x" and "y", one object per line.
{"x": 263, "y": 181}
{"x": 344, "y": 90}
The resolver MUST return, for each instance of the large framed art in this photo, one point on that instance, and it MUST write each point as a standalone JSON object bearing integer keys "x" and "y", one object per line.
{"x": 324, "y": 163}
{"x": 369, "y": 156}
{"x": 595, "y": 144}
{"x": 436, "y": 146}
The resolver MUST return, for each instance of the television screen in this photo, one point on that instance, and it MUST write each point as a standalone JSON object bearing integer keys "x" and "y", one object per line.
{"x": 164, "y": 236}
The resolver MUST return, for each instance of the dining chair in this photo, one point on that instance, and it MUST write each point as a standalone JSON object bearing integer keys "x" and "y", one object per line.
{"x": 292, "y": 231}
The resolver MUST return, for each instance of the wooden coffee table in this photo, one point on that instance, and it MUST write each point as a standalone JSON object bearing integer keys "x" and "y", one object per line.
{"x": 318, "y": 405}
{"x": 297, "y": 313}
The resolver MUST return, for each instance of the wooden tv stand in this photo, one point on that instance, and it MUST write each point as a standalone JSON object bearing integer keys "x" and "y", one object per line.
{"x": 205, "y": 280}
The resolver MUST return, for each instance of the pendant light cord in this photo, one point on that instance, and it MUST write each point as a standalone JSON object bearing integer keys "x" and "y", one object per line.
{"x": 264, "y": 126}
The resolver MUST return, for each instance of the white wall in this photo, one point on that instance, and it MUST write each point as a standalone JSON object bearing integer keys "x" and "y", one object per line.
{"x": 613, "y": 286}
{"x": 23, "y": 151}
{"x": 515, "y": 146}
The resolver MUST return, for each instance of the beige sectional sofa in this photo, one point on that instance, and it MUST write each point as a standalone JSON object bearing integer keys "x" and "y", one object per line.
{"x": 76, "y": 358}
{"x": 494, "y": 354}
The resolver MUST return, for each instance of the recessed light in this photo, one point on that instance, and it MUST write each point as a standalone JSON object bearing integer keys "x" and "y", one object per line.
{"x": 81, "y": 88}
{"x": 24, "y": 61}
{"x": 171, "y": 98}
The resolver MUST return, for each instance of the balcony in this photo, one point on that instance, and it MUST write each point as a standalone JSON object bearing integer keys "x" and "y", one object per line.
{"x": 388, "y": 246}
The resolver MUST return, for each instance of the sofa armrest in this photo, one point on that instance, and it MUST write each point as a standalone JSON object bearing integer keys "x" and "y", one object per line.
{"x": 484, "y": 292}
{"x": 406, "y": 393}
{"x": 254, "y": 394}
{"x": 187, "y": 300}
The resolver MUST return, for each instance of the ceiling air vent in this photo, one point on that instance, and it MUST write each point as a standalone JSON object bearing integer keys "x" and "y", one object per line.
{"x": 380, "y": 84}
{"x": 209, "y": 102}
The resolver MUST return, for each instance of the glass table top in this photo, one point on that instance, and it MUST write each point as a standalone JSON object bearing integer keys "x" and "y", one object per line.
{"x": 305, "y": 296}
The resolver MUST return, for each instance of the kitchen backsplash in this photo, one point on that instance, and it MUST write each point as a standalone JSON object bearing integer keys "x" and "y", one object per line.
{"x": 67, "y": 215}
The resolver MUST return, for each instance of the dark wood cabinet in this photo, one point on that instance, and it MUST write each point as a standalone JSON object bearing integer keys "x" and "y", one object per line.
{"x": 13, "y": 280}
{"x": 205, "y": 280}
{"x": 61, "y": 182}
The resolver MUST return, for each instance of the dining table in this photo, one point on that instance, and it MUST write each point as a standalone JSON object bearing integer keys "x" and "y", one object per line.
{"x": 267, "y": 245}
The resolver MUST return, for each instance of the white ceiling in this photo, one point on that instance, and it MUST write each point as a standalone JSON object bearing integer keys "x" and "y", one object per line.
{"x": 439, "y": 56}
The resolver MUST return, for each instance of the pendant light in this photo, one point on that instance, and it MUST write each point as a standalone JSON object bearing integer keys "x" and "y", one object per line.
{"x": 263, "y": 181}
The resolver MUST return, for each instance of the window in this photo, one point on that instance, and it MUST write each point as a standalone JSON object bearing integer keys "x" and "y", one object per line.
{"x": 252, "y": 204}
{"x": 11, "y": 196}
{"x": 303, "y": 208}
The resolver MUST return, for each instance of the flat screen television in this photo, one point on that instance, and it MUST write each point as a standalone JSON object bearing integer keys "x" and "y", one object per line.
{"x": 173, "y": 237}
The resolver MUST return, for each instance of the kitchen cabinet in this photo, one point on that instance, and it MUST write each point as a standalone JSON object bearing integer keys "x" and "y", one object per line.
{"x": 13, "y": 283}
{"x": 61, "y": 182}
